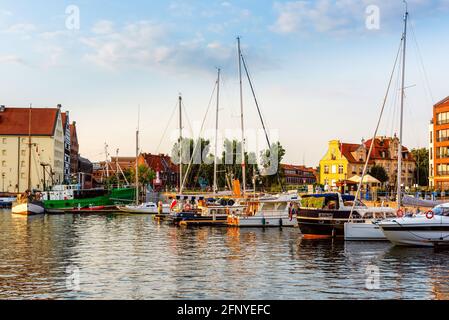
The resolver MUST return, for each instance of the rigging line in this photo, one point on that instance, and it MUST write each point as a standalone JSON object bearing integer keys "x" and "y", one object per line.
{"x": 396, "y": 98}
{"x": 423, "y": 68}
{"x": 184, "y": 108}
{"x": 166, "y": 128}
{"x": 365, "y": 169}
{"x": 261, "y": 117}
{"x": 199, "y": 137}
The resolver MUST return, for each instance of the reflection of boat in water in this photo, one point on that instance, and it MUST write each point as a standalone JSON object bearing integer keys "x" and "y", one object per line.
{"x": 429, "y": 230}
{"x": 271, "y": 211}
{"x": 324, "y": 215}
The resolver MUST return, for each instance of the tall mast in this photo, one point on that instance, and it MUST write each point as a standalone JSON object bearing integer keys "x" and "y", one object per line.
{"x": 29, "y": 148}
{"x": 107, "y": 159}
{"x": 137, "y": 158}
{"x": 399, "y": 179}
{"x": 216, "y": 133}
{"x": 242, "y": 122}
{"x": 180, "y": 143}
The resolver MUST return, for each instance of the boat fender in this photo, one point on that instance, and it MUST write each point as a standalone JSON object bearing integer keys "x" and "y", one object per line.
{"x": 264, "y": 222}
{"x": 430, "y": 214}
{"x": 400, "y": 213}
{"x": 280, "y": 222}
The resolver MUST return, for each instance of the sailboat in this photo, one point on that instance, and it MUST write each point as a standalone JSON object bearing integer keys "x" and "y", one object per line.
{"x": 28, "y": 203}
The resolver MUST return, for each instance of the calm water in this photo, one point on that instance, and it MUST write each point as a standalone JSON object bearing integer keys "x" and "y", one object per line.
{"x": 132, "y": 257}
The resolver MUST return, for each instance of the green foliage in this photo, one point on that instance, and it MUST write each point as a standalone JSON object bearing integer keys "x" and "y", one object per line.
{"x": 146, "y": 175}
{"x": 421, "y": 173}
{"x": 379, "y": 173}
{"x": 270, "y": 160}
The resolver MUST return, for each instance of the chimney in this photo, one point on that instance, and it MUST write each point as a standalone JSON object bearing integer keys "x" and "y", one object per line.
{"x": 2, "y": 108}
{"x": 59, "y": 106}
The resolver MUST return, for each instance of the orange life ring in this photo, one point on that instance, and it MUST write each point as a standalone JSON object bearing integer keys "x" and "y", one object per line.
{"x": 430, "y": 214}
{"x": 400, "y": 213}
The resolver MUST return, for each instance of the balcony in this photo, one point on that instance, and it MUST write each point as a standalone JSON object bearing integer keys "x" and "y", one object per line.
{"x": 443, "y": 173}
{"x": 442, "y": 139}
{"x": 441, "y": 122}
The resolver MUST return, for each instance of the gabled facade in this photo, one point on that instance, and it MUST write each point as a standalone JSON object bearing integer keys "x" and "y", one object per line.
{"x": 47, "y": 148}
{"x": 67, "y": 142}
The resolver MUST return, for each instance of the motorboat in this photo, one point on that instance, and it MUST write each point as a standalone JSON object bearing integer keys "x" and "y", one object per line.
{"x": 367, "y": 228}
{"x": 145, "y": 208}
{"x": 28, "y": 204}
{"x": 324, "y": 215}
{"x": 267, "y": 211}
{"x": 426, "y": 229}
{"x": 6, "y": 202}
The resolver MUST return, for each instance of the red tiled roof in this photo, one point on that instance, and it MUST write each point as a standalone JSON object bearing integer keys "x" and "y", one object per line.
{"x": 442, "y": 101}
{"x": 347, "y": 149}
{"x": 383, "y": 146}
{"x": 64, "y": 118}
{"x": 15, "y": 121}
{"x": 160, "y": 162}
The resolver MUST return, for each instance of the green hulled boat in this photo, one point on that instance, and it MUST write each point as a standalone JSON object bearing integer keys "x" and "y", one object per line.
{"x": 69, "y": 198}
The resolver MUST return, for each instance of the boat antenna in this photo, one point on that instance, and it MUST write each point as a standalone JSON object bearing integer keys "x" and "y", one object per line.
{"x": 137, "y": 156}
{"x": 399, "y": 174}
{"x": 242, "y": 117}
{"x": 216, "y": 132}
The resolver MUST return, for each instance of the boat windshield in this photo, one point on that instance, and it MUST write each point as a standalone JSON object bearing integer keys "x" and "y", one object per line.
{"x": 441, "y": 211}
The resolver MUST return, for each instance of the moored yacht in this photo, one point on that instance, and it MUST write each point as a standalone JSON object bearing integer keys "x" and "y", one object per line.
{"x": 269, "y": 211}
{"x": 145, "y": 208}
{"x": 428, "y": 229}
{"x": 324, "y": 215}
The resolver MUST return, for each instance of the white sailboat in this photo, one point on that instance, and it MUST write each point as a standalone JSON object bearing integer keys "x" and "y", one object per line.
{"x": 28, "y": 203}
{"x": 368, "y": 228}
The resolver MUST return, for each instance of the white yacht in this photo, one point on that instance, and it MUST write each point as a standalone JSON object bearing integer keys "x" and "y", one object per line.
{"x": 145, "y": 208}
{"x": 368, "y": 228}
{"x": 428, "y": 229}
{"x": 270, "y": 211}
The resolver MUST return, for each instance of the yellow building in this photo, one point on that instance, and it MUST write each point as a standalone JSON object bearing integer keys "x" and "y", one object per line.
{"x": 341, "y": 162}
{"x": 345, "y": 160}
{"x": 47, "y": 148}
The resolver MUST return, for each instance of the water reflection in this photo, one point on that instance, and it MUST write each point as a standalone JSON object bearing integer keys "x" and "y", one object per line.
{"x": 132, "y": 257}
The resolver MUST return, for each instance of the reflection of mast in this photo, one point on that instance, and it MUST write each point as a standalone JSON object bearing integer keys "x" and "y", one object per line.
{"x": 402, "y": 109}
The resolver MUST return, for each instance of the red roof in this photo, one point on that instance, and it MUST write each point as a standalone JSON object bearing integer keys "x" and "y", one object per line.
{"x": 442, "y": 101}
{"x": 161, "y": 162}
{"x": 347, "y": 149}
{"x": 381, "y": 150}
{"x": 15, "y": 121}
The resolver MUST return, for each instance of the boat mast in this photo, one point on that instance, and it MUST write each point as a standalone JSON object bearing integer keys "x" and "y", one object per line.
{"x": 137, "y": 158}
{"x": 242, "y": 122}
{"x": 399, "y": 175}
{"x": 180, "y": 144}
{"x": 29, "y": 148}
{"x": 216, "y": 132}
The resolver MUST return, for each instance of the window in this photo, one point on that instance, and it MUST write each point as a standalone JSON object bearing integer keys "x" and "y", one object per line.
{"x": 431, "y": 136}
{"x": 326, "y": 169}
{"x": 22, "y": 175}
{"x": 4, "y": 140}
{"x": 334, "y": 169}
{"x": 3, "y": 163}
{"x": 3, "y": 152}
{"x": 22, "y": 164}
{"x": 442, "y": 135}
{"x": 443, "y": 118}
{"x": 431, "y": 153}
{"x": 340, "y": 169}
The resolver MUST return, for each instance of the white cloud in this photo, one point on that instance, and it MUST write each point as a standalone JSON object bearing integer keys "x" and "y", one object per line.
{"x": 21, "y": 28}
{"x": 12, "y": 59}
{"x": 103, "y": 27}
{"x": 341, "y": 16}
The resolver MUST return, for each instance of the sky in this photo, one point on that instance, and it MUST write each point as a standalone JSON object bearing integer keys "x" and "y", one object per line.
{"x": 320, "y": 69}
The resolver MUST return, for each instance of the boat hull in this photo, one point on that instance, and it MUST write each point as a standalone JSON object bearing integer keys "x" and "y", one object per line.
{"x": 366, "y": 231}
{"x": 261, "y": 221}
{"x": 416, "y": 232}
{"x": 322, "y": 223}
{"x": 28, "y": 209}
{"x": 196, "y": 218}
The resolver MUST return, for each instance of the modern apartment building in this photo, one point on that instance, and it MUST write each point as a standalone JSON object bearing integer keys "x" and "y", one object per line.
{"x": 439, "y": 146}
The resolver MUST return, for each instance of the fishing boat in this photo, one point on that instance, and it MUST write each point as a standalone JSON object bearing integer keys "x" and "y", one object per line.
{"x": 145, "y": 208}
{"x": 28, "y": 203}
{"x": 267, "y": 211}
{"x": 63, "y": 197}
{"x": 428, "y": 229}
{"x": 324, "y": 215}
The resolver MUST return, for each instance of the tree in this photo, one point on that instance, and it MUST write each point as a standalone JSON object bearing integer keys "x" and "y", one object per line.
{"x": 379, "y": 173}
{"x": 421, "y": 173}
{"x": 271, "y": 160}
{"x": 146, "y": 175}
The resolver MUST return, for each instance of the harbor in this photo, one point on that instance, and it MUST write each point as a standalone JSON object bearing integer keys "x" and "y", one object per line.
{"x": 197, "y": 184}
{"x": 133, "y": 257}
